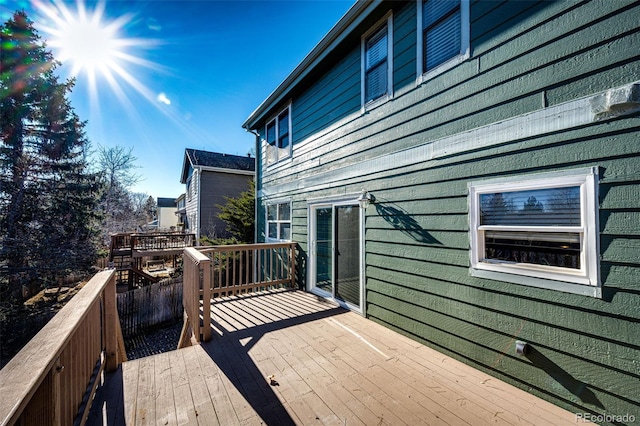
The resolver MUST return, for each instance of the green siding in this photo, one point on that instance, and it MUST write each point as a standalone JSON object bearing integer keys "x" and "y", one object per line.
{"x": 332, "y": 97}
{"x": 404, "y": 48}
{"x": 525, "y": 56}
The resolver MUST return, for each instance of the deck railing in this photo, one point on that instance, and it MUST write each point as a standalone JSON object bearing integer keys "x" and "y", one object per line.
{"x": 152, "y": 241}
{"x": 52, "y": 380}
{"x": 161, "y": 241}
{"x": 248, "y": 268}
{"x": 120, "y": 241}
{"x": 211, "y": 272}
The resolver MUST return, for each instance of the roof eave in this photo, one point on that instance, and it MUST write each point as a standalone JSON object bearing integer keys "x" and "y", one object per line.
{"x": 185, "y": 167}
{"x": 337, "y": 34}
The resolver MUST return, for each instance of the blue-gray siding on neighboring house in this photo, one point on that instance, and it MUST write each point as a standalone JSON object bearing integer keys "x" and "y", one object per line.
{"x": 527, "y": 102}
{"x": 211, "y": 178}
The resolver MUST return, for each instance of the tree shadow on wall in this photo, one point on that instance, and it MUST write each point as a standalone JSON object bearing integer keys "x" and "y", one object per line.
{"x": 402, "y": 221}
{"x": 570, "y": 383}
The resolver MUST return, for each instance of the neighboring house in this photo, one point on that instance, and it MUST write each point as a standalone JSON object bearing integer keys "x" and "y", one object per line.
{"x": 181, "y": 212}
{"x": 468, "y": 174}
{"x": 210, "y": 179}
{"x": 167, "y": 219}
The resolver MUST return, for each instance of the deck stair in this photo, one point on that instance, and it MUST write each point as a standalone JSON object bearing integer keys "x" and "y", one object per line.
{"x": 127, "y": 252}
{"x": 141, "y": 278}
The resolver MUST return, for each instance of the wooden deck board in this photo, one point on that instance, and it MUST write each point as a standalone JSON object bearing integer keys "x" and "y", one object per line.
{"x": 218, "y": 393}
{"x": 130, "y": 393}
{"x": 332, "y": 367}
{"x": 185, "y": 412}
{"x": 453, "y": 376}
{"x": 146, "y": 402}
{"x": 165, "y": 398}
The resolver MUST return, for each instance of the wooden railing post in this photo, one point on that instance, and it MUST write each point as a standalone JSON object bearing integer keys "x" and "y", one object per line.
{"x": 196, "y": 286}
{"x": 205, "y": 268}
{"x": 111, "y": 324}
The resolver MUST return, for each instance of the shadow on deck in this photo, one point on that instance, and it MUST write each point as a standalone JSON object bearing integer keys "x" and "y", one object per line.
{"x": 288, "y": 357}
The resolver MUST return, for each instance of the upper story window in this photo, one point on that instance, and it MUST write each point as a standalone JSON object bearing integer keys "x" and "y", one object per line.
{"x": 443, "y": 39}
{"x": 544, "y": 227}
{"x": 377, "y": 62}
{"x": 190, "y": 187}
{"x": 279, "y": 221}
{"x": 278, "y": 137}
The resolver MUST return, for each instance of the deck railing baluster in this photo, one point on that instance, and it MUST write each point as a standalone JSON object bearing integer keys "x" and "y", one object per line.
{"x": 250, "y": 267}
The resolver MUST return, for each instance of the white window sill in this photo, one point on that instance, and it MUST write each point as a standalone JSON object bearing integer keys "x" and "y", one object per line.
{"x": 371, "y": 105}
{"x": 445, "y": 66}
{"x": 563, "y": 286}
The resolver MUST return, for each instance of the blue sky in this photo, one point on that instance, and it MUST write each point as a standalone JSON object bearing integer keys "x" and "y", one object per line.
{"x": 190, "y": 72}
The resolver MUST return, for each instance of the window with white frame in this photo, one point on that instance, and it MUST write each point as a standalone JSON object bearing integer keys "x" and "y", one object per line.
{"x": 278, "y": 137}
{"x": 443, "y": 39}
{"x": 542, "y": 226}
{"x": 376, "y": 62}
{"x": 190, "y": 187}
{"x": 279, "y": 221}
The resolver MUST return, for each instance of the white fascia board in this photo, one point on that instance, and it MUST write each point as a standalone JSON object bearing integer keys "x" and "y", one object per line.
{"x": 599, "y": 107}
{"x": 345, "y": 26}
{"x": 224, "y": 170}
{"x": 186, "y": 163}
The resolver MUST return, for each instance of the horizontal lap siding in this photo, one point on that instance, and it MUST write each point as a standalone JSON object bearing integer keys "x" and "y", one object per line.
{"x": 465, "y": 98}
{"x": 335, "y": 95}
{"x": 216, "y": 188}
{"x": 404, "y": 48}
{"x": 418, "y": 283}
{"x": 525, "y": 56}
{"x": 192, "y": 203}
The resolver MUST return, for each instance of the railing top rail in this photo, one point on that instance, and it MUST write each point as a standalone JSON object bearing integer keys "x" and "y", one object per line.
{"x": 237, "y": 247}
{"x": 195, "y": 255}
{"x": 20, "y": 378}
{"x": 163, "y": 234}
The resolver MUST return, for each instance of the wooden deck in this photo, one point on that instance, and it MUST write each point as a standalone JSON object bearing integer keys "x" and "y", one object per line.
{"x": 330, "y": 366}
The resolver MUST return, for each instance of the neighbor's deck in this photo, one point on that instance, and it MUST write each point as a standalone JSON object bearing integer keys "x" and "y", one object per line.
{"x": 331, "y": 367}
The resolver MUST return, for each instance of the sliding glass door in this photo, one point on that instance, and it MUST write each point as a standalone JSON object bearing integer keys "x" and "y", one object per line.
{"x": 324, "y": 249}
{"x": 336, "y": 253}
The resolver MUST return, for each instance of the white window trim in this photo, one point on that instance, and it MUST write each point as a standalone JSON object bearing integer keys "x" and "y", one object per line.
{"x": 465, "y": 48}
{"x": 267, "y": 221}
{"x": 389, "y": 95}
{"x": 583, "y": 281}
{"x": 266, "y": 144}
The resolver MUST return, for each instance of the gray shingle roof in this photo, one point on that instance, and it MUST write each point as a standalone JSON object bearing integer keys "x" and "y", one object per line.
{"x": 166, "y": 202}
{"x": 223, "y": 161}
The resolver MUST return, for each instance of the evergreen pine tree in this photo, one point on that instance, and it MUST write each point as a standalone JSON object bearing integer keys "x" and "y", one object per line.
{"x": 48, "y": 198}
{"x": 239, "y": 214}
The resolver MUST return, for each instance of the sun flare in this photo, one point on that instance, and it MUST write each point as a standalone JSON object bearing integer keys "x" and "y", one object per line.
{"x": 85, "y": 40}
{"x": 88, "y": 46}
{"x": 93, "y": 48}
